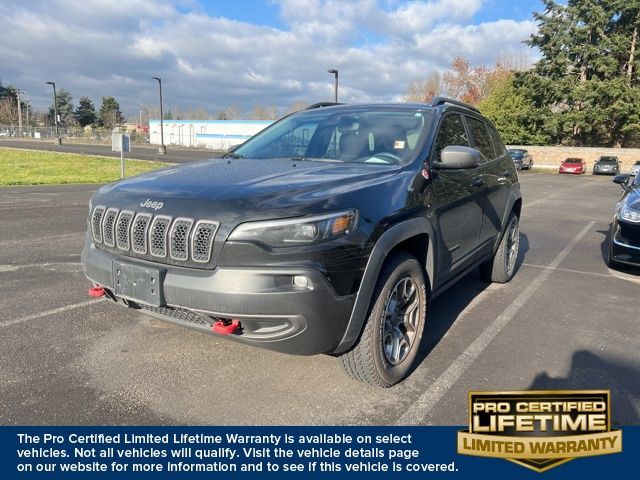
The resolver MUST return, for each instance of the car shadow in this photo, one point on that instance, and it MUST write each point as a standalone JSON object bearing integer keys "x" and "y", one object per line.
{"x": 447, "y": 307}
{"x": 592, "y": 372}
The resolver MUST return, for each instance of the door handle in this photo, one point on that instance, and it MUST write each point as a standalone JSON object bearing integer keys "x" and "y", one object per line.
{"x": 477, "y": 181}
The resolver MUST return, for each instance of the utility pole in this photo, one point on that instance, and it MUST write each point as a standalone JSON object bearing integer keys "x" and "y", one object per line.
{"x": 18, "y": 92}
{"x": 55, "y": 112}
{"x": 28, "y": 123}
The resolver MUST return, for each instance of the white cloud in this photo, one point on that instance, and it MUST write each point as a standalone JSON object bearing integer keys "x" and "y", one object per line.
{"x": 100, "y": 48}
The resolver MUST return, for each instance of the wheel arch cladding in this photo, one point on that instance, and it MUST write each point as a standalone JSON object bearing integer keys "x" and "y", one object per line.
{"x": 413, "y": 236}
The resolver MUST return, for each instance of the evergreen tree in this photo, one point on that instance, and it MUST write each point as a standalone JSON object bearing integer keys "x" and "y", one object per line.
{"x": 110, "y": 114}
{"x": 65, "y": 108}
{"x": 585, "y": 87}
{"x": 85, "y": 113}
{"x": 511, "y": 113}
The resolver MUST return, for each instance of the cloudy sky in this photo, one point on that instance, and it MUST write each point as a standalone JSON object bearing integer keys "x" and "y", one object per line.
{"x": 216, "y": 53}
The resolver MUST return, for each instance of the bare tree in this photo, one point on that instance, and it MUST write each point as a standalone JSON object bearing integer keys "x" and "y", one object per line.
{"x": 148, "y": 112}
{"x": 472, "y": 84}
{"x": 196, "y": 114}
{"x": 424, "y": 89}
{"x": 232, "y": 112}
{"x": 8, "y": 111}
{"x": 261, "y": 112}
{"x": 297, "y": 106}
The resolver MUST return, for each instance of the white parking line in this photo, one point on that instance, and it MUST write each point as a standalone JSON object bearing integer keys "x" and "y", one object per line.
{"x": 625, "y": 276}
{"x": 548, "y": 197}
{"x": 49, "y": 312}
{"x": 567, "y": 270}
{"x": 612, "y": 273}
{"x": 420, "y": 409}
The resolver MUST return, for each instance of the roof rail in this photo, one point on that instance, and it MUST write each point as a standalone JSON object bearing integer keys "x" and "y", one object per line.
{"x": 442, "y": 100}
{"x": 322, "y": 104}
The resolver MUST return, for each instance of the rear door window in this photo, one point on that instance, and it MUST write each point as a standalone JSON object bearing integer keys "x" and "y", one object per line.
{"x": 498, "y": 146}
{"x": 481, "y": 138}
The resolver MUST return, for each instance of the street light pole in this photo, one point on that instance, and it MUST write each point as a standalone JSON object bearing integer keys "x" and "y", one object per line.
{"x": 335, "y": 89}
{"x": 162, "y": 149}
{"x": 55, "y": 112}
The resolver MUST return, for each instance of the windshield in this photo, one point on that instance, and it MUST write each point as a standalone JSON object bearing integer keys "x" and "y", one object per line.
{"x": 517, "y": 154}
{"x": 374, "y": 136}
{"x": 572, "y": 161}
{"x": 608, "y": 159}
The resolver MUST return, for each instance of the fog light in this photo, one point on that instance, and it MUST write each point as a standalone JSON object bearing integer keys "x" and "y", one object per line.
{"x": 300, "y": 281}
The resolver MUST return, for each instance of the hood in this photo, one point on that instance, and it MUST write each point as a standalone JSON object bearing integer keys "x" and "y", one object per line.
{"x": 240, "y": 189}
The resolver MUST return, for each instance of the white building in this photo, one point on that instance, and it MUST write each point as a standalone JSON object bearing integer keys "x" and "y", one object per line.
{"x": 214, "y": 134}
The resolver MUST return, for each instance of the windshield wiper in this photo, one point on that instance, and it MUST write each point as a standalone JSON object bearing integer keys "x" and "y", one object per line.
{"x": 232, "y": 155}
{"x": 315, "y": 159}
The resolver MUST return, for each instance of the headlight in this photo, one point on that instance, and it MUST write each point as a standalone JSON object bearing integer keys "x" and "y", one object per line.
{"x": 297, "y": 231}
{"x": 629, "y": 214}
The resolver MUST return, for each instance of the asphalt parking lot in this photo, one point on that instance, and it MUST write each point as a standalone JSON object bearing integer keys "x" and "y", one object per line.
{"x": 566, "y": 321}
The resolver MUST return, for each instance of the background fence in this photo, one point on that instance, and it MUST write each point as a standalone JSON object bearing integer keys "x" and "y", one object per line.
{"x": 70, "y": 134}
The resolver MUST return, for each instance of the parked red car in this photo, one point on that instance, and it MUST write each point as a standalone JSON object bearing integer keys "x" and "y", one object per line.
{"x": 573, "y": 165}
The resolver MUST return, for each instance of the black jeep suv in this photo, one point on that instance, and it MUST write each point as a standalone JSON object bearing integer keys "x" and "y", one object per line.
{"x": 328, "y": 232}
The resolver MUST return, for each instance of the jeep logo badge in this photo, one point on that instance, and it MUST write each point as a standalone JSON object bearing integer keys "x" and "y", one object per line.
{"x": 149, "y": 204}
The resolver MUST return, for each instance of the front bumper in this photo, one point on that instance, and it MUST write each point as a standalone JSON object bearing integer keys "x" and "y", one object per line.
{"x": 625, "y": 243}
{"x": 273, "y": 312}
{"x": 605, "y": 171}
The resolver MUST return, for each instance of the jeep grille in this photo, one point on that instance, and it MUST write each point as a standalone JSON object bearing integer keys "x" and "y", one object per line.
{"x": 180, "y": 239}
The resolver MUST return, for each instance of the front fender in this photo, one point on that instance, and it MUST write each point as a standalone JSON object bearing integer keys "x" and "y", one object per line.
{"x": 385, "y": 244}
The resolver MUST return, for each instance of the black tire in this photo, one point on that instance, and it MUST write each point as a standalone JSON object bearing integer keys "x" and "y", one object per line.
{"x": 370, "y": 360}
{"x": 502, "y": 267}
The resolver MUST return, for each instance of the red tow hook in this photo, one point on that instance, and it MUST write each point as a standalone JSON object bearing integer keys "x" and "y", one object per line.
{"x": 96, "y": 292}
{"x": 226, "y": 328}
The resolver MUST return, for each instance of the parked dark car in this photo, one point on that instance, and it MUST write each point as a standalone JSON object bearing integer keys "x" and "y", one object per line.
{"x": 573, "y": 165}
{"x": 328, "y": 232}
{"x": 521, "y": 158}
{"x": 606, "y": 164}
{"x": 624, "y": 244}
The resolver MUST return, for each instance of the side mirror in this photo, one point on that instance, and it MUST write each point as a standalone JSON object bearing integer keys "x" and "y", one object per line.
{"x": 457, "y": 157}
{"x": 621, "y": 179}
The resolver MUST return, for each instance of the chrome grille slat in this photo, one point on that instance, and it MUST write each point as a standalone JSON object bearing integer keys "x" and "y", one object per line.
{"x": 158, "y": 236}
{"x": 139, "y": 231}
{"x": 108, "y": 225}
{"x": 202, "y": 240}
{"x": 123, "y": 225}
{"x": 141, "y": 234}
{"x": 96, "y": 223}
{"x": 179, "y": 238}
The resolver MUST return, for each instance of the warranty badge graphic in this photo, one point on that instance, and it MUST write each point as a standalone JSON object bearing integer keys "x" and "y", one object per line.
{"x": 539, "y": 429}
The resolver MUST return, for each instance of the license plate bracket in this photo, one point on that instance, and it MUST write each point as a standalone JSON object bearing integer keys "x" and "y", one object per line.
{"x": 139, "y": 284}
